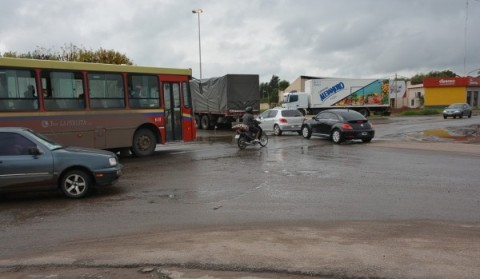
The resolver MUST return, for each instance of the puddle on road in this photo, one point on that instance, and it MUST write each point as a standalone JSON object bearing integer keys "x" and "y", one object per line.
{"x": 469, "y": 134}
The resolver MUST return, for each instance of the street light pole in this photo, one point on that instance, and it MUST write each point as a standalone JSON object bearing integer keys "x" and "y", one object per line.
{"x": 198, "y": 12}
{"x": 465, "y": 39}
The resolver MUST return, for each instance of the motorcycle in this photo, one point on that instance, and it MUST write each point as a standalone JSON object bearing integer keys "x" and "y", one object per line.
{"x": 244, "y": 137}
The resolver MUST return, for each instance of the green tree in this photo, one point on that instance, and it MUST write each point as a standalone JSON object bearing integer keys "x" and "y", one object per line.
{"x": 418, "y": 78}
{"x": 283, "y": 85}
{"x": 72, "y": 52}
{"x": 269, "y": 90}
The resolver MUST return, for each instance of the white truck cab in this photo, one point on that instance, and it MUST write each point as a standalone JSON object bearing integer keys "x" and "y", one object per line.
{"x": 296, "y": 100}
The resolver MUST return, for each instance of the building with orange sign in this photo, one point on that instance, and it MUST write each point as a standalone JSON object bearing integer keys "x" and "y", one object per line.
{"x": 440, "y": 92}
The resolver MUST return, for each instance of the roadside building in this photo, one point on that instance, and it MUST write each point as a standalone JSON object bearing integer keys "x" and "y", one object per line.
{"x": 440, "y": 92}
{"x": 415, "y": 95}
{"x": 398, "y": 93}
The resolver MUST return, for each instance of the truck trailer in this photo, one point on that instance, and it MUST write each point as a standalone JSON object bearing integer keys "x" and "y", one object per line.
{"x": 222, "y": 100}
{"x": 366, "y": 96}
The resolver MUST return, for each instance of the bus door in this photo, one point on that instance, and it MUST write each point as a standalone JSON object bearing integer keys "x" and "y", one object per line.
{"x": 173, "y": 111}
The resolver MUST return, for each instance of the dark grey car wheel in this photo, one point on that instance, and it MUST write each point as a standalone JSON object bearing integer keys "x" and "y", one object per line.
{"x": 337, "y": 136}
{"x": 75, "y": 184}
{"x": 306, "y": 132}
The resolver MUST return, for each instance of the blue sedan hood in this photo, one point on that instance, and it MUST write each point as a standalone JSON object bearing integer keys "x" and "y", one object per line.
{"x": 86, "y": 150}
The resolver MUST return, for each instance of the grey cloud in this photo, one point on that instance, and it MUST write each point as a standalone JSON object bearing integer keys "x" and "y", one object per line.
{"x": 288, "y": 38}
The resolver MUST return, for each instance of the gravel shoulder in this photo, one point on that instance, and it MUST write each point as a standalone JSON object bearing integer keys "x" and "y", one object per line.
{"x": 472, "y": 149}
{"x": 419, "y": 249}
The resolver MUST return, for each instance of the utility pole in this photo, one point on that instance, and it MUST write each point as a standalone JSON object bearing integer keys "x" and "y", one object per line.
{"x": 396, "y": 91}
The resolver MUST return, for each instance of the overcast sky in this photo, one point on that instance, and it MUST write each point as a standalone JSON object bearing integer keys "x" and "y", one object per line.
{"x": 287, "y": 38}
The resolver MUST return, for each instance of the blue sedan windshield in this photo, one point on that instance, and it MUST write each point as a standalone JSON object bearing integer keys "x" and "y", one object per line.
{"x": 47, "y": 142}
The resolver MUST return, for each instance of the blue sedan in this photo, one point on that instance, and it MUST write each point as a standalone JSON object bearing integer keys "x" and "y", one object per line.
{"x": 31, "y": 162}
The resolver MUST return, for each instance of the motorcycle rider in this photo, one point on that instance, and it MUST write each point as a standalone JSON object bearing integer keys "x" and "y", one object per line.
{"x": 249, "y": 120}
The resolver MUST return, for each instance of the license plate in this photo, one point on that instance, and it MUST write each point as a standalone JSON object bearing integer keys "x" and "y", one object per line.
{"x": 237, "y": 136}
{"x": 364, "y": 133}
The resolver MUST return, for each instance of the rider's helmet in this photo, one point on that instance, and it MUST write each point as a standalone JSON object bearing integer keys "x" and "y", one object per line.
{"x": 249, "y": 110}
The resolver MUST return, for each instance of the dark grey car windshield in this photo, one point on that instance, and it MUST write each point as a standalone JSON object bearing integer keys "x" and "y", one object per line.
{"x": 456, "y": 106}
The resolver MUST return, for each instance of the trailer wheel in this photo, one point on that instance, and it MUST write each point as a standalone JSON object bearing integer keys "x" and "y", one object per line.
{"x": 364, "y": 112}
{"x": 205, "y": 122}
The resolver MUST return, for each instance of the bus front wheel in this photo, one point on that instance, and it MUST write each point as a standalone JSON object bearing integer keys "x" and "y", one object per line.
{"x": 143, "y": 143}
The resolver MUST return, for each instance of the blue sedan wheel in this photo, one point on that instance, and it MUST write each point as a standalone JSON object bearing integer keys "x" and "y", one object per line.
{"x": 75, "y": 184}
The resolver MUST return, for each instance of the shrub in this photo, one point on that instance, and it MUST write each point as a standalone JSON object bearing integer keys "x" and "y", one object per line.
{"x": 428, "y": 111}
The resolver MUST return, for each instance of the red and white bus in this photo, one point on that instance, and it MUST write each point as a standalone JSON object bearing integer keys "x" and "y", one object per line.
{"x": 116, "y": 107}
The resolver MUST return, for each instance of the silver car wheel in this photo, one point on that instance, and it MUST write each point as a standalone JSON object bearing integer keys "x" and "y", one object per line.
{"x": 277, "y": 131}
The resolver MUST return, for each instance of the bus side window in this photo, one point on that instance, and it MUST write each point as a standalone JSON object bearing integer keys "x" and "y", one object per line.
{"x": 62, "y": 90}
{"x": 106, "y": 91}
{"x": 18, "y": 90}
{"x": 144, "y": 91}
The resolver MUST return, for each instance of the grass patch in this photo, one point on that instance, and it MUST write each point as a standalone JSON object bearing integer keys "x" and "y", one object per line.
{"x": 429, "y": 111}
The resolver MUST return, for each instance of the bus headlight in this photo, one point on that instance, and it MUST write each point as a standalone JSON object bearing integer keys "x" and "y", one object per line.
{"x": 112, "y": 161}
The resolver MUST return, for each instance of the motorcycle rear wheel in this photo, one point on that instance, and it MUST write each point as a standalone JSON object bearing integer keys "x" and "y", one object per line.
{"x": 242, "y": 142}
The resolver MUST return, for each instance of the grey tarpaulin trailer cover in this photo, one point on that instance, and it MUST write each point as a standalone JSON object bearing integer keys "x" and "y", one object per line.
{"x": 222, "y": 100}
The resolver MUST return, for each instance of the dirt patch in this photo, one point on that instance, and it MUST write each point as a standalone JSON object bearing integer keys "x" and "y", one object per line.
{"x": 362, "y": 249}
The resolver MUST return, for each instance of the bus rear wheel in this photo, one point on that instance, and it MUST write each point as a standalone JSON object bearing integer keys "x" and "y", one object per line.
{"x": 143, "y": 143}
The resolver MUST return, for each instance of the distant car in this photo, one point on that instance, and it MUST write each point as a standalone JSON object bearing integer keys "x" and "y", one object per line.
{"x": 31, "y": 162}
{"x": 339, "y": 125}
{"x": 459, "y": 110}
{"x": 280, "y": 120}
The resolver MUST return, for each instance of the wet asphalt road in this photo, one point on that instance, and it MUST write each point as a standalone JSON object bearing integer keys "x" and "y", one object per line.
{"x": 292, "y": 181}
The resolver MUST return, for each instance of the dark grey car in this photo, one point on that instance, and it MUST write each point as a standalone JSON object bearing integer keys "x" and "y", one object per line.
{"x": 339, "y": 125}
{"x": 31, "y": 162}
{"x": 459, "y": 110}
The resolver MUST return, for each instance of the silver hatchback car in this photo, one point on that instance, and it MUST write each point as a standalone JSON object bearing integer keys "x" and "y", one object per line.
{"x": 280, "y": 120}
{"x": 31, "y": 162}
